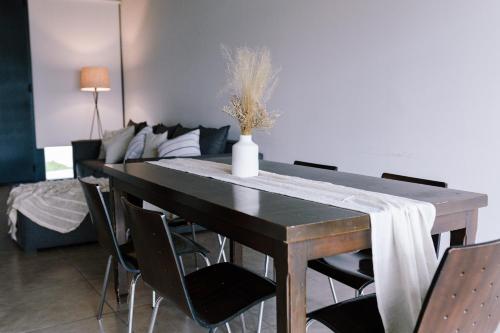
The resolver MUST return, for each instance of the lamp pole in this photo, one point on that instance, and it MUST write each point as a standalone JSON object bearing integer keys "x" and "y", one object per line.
{"x": 96, "y": 115}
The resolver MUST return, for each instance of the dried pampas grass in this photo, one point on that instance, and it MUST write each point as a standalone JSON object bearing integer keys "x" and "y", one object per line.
{"x": 251, "y": 81}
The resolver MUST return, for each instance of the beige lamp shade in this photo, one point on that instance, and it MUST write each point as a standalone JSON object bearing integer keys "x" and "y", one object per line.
{"x": 94, "y": 79}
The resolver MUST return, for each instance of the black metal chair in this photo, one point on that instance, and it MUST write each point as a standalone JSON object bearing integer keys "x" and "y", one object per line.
{"x": 123, "y": 254}
{"x": 355, "y": 269}
{"x": 315, "y": 165}
{"x": 212, "y": 296}
{"x": 463, "y": 297}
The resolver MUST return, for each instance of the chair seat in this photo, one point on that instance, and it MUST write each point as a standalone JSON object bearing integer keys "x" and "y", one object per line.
{"x": 357, "y": 315}
{"x": 353, "y": 269}
{"x": 223, "y": 291}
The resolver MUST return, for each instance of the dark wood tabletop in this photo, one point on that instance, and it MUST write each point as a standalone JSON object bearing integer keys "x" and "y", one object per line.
{"x": 282, "y": 217}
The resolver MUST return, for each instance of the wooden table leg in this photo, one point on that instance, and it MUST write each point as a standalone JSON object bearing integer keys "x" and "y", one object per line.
{"x": 291, "y": 265}
{"x": 118, "y": 219}
{"x": 466, "y": 235}
{"x": 235, "y": 253}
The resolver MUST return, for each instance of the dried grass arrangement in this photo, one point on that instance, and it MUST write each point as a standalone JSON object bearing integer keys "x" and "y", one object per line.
{"x": 250, "y": 81}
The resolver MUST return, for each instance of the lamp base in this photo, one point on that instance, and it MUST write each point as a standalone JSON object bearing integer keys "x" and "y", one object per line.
{"x": 96, "y": 117}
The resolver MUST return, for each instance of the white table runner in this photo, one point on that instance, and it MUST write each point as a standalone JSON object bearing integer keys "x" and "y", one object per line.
{"x": 403, "y": 253}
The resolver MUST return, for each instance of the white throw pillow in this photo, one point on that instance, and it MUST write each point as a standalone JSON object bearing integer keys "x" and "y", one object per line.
{"x": 182, "y": 146}
{"x": 151, "y": 144}
{"x": 136, "y": 146}
{"x": 116, "y": 146}
{"x": 106, "y": 140}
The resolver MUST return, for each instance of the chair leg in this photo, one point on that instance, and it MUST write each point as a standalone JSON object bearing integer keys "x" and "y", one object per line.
{"x": 153, "y": 315}
{"x": 261, "y": 310}
{"x": 243, "y": 324}
{"x": 207, "y": 261}
{"x": 131, "y": 301}
{"x": 104, "y": 288}
{"x": 309, "y": 323}
{"x": 361, "y": 291}
{"x": 183, "y": 271}
{"x": 222, "y": 253}
{"x": 193, "y": 235}
{"x": 332, "y": 288}
{"x": 228, "y": 328}
{"x": 193, "y": 232}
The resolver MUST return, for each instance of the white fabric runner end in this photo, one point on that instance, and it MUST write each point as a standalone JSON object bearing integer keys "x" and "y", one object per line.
{"x": 403, "y": 253}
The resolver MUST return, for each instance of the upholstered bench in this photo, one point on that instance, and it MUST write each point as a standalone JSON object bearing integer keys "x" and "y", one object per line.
{"x": 37, "y": 225}
{"x": 32, "y": 237}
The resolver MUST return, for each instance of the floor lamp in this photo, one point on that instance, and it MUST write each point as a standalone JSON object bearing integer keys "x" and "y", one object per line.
{"x": 95, "y": 80}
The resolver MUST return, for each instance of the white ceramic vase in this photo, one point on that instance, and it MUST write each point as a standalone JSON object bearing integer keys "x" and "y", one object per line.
{"x": 245, "y": 157}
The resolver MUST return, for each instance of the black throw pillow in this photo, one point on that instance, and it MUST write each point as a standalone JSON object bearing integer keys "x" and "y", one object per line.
{"x": 138, "y": 126}
{"x": 181, "y": 130}
{"x": 160, "y": 128}
{"x": 212, "y": 140}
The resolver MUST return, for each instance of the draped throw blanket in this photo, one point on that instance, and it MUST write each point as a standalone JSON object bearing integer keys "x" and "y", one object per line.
{"x": 57, "y": 205}
{"x": 403, "y": 253}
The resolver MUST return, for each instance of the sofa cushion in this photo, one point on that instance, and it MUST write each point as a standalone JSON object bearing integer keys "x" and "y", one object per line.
{"x": 160, "y": 128}
{"x": 186, "y": 145}
{"x": 136, "y": 146}
{"x": 137, "y": 126}
{"x": 108, "y": 136}
{"x": 116, "y": 146}
{"x": 152, "y": 143}
{"x": 212, "y": 140}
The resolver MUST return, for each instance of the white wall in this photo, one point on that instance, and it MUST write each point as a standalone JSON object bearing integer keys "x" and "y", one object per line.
{"x": 410, "y": 87}
{"x": 65, "y": 36}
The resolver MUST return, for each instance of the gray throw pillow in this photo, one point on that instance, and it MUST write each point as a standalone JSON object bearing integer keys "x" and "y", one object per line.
{"x": 182, "y": 146}
{"x": 151, "y": 144}
{"x": 106, "y": 139}
{"x": 136, "y": 146}
{"x": 116, "y": 146}
{"x": 212, "y": 140}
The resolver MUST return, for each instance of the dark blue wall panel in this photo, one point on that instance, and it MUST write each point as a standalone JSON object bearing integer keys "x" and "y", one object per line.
{"x": 20, "y": 161}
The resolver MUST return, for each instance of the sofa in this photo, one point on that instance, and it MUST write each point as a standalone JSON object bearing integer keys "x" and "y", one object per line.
{"x": 86, "y": 162}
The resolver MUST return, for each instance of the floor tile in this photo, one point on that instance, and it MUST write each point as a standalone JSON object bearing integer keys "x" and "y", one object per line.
{"x": 41, "y": 308}
{"x": 110, "y": 323}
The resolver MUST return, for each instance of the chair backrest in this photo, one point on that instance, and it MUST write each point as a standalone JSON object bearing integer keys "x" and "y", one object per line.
{"x": 436, "y": 239}
{"x": 100, "y": 218}
{"x": 465, "y": 293}
{"x": 155, "y": 251}
{"x": 314, "y": 165}
{"x": 414, "y": 180}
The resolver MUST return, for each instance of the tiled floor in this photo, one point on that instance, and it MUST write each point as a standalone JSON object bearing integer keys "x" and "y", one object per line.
{"x": 58, "y": 290}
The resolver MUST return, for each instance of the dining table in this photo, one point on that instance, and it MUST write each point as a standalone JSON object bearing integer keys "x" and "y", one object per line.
{"x": 290, "y": 230}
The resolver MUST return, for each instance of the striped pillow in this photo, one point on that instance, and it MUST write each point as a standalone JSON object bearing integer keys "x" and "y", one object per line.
{"x": 182, "y": 146}
{"x": 136, "y": 146}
